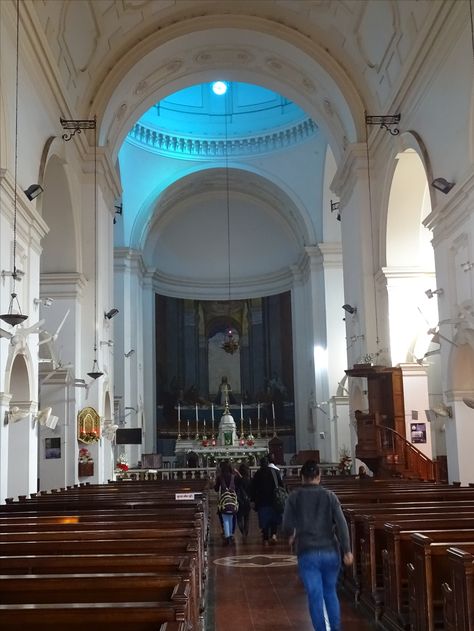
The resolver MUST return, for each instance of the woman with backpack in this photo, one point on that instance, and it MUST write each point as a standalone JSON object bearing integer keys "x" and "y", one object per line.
{"x": 227, "y": 503}
{"x": 242, "y": 485}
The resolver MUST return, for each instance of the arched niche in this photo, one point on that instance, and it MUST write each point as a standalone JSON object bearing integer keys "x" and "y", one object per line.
{"x": 60, "y": 250}
{"x": 409, "y": 257}
{"x": 21, "y": 455}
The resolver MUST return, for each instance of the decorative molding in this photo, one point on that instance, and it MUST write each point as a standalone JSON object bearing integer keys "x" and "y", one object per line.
{"x": 62, "y": 285}
{"x": 395, "y": 273}
{"x": 210, "y": 289}
{"x": 205, "y": 148}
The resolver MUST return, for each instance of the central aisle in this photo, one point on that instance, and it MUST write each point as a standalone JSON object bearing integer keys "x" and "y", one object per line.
{"x": 252, "y": 588}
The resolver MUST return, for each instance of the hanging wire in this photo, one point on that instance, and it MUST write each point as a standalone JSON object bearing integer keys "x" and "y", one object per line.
{"x": 95, "y": 373}
{"x": 372, "y": 232}
{"x": 471, "y": 19}
{"x": 15, "y": 176}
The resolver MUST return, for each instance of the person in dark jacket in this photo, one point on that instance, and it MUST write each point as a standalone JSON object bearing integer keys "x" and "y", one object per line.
{"x": 263, "y": 486}
{"x": 244, "y": 493}
{"x": 313, "y": 519}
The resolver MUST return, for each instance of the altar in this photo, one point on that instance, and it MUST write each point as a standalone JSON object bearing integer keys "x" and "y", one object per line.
{"x": 209, "y": 449}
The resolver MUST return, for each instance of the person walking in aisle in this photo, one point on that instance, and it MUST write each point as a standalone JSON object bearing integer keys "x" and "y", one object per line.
{"x": 263, "y": 493}
{"x": 243, "y": 490}
{"x": 313, "y": 520}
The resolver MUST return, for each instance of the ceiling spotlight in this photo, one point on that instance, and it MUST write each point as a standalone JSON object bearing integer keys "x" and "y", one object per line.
{"x": 442, "y": 185}
{"x": 430, "y": 293}
{"x": 219, "y": 88}
{"x": 349, "y": 308}
{"x": 110, "y": 314}
{"x": 33, "y": 191}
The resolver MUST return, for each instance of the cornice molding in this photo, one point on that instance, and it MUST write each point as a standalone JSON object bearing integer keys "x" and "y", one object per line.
{"x": 210, "y": 289}
{"x": 63, "y": 284}
{"x": 194, "y": 148}
{"x": 395, "y": 273}
{"x": 129, "y": 260}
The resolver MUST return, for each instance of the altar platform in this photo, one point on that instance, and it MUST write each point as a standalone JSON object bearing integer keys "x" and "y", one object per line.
{"x": 211, "y": 455}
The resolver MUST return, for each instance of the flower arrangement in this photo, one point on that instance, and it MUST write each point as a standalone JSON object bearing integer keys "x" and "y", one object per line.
{"x": 122, "y": 464}
{"x": 250, "y": 440}
{"x": 85, "y": 456}
{"x": 345, "y": 462}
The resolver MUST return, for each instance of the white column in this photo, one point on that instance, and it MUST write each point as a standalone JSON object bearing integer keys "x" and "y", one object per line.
{"x": 460, "y": 438}
{"x": 4, "y": 454}
{"x": 360, "y": 243}
{"x": 149, "y": 365}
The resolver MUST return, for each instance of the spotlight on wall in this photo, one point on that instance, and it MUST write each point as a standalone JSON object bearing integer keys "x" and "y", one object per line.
{"x": 46, "y": 302}
{"x": 33, "y": 191}
{"x": 430, "y": 293}
{"x": 110, "y": 314}
{"x": 442, "y": 410}
{"x": 467, "y": 266}
{"x": 349, "y": 308}
{"x": 130, "y": 353}
{"x": 442, "y": 185}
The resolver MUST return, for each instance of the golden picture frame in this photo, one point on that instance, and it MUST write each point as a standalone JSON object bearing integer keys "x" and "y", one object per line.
{"x": 88, "y": 426}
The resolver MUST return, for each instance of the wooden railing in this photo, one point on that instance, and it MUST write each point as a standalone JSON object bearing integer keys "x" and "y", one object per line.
{"x": 202, "y": 473}
{"x": 401, "y": 456}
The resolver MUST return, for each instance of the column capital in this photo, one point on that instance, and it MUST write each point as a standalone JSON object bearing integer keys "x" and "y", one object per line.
{"x": 63, "y": 284}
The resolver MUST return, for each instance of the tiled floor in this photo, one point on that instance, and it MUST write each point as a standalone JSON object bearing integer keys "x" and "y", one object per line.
{"x": 252, "y": 588}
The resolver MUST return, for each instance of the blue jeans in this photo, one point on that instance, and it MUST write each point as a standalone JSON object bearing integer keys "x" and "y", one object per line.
{"x": 227, "y": 521}
{"x": 319, "y": 570}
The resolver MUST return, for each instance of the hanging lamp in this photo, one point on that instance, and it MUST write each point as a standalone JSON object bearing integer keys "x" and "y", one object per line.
{"x": 95, "y": 373}
{"x": 14, "y": 315}
{"x": 230, "y": 344}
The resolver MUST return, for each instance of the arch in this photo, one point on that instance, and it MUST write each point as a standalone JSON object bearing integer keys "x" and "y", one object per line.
{"x": 195, "y": 50}
{"x": 187, "y": 243}
{"x": 19, "y": 439}
{"x": 407, "y": 252}
{"x": 60, "y": 246}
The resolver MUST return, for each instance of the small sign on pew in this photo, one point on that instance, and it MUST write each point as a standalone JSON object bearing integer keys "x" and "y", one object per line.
{"x": 184, "y": 496}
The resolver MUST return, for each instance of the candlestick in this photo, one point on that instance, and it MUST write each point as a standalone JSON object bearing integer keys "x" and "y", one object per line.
{"x": 197, "y": 428}
{"x": 274, "y": 427}
{"x": 212, "y": 412}
{"x": 179, "y": 412}
{"x": 189, "y": 433}
{"x": 212, "y": 427}
{"x": 250, "y": 426}
{"x": 258, "y": 411}
{"x": 179, "y": 428}
{"x": 241, "y": 412}
{"x": 258, "y": 428}
{"x": 266, "y": 426}
{"x": 241, "y": 428}
{"x": 197, "y": 415}
{"x": 273, "y": 410}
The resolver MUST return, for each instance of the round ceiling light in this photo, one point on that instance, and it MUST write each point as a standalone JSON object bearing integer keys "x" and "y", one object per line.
{"x": 219, "y": 87}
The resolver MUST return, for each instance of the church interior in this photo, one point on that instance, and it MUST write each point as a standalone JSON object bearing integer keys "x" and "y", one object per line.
{"x": 254, "y": 213}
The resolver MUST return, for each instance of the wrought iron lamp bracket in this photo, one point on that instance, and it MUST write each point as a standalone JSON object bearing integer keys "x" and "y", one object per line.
{"x": 76, "y": 125}
{"x": 385, "y": 122}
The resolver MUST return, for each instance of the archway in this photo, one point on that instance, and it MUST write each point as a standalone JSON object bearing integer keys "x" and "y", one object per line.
{"x": 410, "y": 269}
{"x": 22, "y": 435}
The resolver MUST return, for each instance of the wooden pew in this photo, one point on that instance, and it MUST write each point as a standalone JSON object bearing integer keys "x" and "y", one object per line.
{"x": 399, "y": 553}
{"x": 429, "y": 570}
{"x": 458, "y": 594}
{"x": 93, "y": 617}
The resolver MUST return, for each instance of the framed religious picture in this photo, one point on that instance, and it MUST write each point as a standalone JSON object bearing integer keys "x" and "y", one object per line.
{"x": 88, "y": 426}
{"x": 52, "y": 448}
{"x": 418, "y": 432}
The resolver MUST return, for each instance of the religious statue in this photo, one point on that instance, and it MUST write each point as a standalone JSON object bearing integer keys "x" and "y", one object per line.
{"x": 224, "y": 393}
